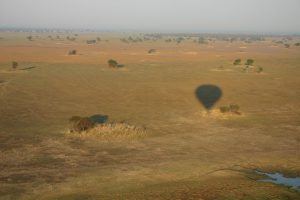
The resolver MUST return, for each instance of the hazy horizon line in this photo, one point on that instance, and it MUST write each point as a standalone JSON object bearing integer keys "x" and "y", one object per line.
{"x": 164, "y": 31}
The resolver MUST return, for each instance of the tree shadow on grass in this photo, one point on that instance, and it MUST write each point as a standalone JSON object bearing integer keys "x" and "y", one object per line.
{"x": 27, "y": 68}
{"x": 99, "y": 119}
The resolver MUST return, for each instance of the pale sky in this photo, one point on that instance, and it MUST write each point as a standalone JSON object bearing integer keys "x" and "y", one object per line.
{"x": 253, "y": 16}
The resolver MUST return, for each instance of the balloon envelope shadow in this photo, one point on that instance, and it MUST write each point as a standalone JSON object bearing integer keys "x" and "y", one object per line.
{"x": 208, "y": 95}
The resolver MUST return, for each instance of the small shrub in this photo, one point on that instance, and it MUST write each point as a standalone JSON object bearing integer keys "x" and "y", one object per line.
{"x": 237, "y": 61}
{"x": 221, "y": 67}
{"x": 72, "y": 52}
{"x": 14, "y": 65}
{"x": 74, "y": 119}
{"x": 151, "y": 51}
{"x": 259, "y": 70}
{"x": 234, "y": 108}
{"x": 297, "y": 44}
{"x": 79, "y": 124}
{"x": 224, "y": 109}
{"x": 286, "y": 45}
{"x": 29, "y": 38}
{"x": 249, "y": 62}
{"x": 246, "y": 69}
{"x": 98, "y": 39}
{"x": 112, "y": 63}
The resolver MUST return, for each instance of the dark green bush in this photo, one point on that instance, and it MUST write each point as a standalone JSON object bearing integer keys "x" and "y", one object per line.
{"x": 249, "y": 62}
{"x": 237, "y": 61}
{"x": 112, "y": 63}
{"x": 224, "y": 109}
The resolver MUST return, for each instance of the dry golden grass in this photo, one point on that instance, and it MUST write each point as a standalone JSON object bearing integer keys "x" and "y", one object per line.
{"x": 110, "y": 132}
{"x": 183, "y": 143}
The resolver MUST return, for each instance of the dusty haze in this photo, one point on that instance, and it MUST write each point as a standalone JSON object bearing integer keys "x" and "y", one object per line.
{"x": 262, "y": 16}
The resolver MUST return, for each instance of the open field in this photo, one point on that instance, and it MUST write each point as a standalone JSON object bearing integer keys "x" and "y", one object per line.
{"x": 185, "y": 152}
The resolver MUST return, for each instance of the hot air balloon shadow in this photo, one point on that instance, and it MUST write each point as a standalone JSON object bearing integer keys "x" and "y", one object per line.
{"x": 208, "y": 95}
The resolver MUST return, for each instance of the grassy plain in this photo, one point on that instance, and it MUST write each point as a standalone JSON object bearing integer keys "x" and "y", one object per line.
{"x": 186, "y": 154}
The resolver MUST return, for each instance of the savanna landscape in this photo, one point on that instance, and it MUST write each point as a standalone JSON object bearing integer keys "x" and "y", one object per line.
{"x": 109, "y": 115}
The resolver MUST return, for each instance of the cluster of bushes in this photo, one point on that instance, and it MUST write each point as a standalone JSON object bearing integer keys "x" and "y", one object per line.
{"x": 91, "y": 41}
{"x": 131, "y": 39}
{"x": 249, "y": 63}
{"x": 239, "y": 62}
{"x": 85, "y": 127}
{"x": 178, "y": 40}
{"x": 201, "y": 40}
{"x": 232, "y": 108}
{"x": 71, "y": 38}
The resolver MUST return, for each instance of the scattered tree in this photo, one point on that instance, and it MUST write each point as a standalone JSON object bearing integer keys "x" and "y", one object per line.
{"x": 259, "y": 70}
{"x": 152, "y": 51}
{"x": 249, "y": 62}
{"x": 14, "y": 65}
{"x": 112, "y": 63}
{"x": 72, "y": 52}
{"x": 237, "y": 61}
